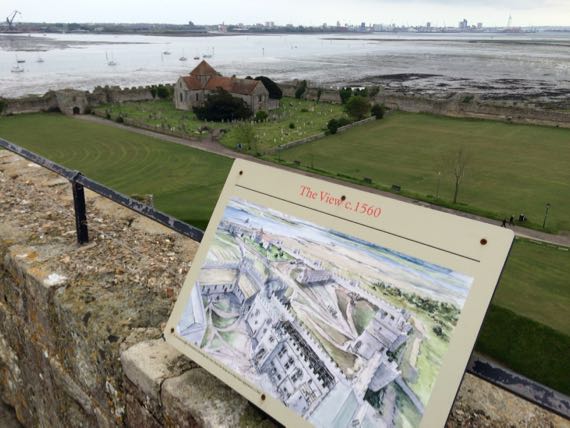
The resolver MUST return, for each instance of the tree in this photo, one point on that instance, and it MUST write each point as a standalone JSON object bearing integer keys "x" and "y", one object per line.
{"x": 244, "y": 135}
{"x": 161, "y": 91}
{"x": 357, "y": 107}
{"x": 345, "y": 94}
{"x": 374, "y": 90}
{"x": 275, "y": 92}
{"x": 378, "y": 110}
{"x": 300, "y": 91}
{"x": 455, "y": 164}
{"x": 222, "y": 106}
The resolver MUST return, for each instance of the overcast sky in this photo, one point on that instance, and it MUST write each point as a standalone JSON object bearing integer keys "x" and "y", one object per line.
{"x": 306, "y": 12}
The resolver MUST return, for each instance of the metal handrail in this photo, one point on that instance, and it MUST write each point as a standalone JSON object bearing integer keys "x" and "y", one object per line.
{"x": 79, "y": 182}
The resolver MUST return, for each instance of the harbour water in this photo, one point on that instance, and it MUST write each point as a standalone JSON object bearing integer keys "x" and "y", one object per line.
{"x": 532, "y": 64}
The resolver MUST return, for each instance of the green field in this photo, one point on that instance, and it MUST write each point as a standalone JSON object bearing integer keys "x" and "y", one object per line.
{"x": 513, "y": 168}
{"x": 536, "y": 284}
{"x": 527, "y": 347}
{"x": 309, "y": 118}
{"x": 185, "y": 182}
{"x": 528, "y": 325}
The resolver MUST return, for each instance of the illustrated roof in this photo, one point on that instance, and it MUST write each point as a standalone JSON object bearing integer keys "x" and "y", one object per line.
{"x": 216, "y": 276}
{"x": 204, "y": 69}
{"x": 232, "y": 85}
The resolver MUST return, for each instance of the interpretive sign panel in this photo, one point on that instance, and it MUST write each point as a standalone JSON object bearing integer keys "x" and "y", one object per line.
{"x": 329, "y": 306}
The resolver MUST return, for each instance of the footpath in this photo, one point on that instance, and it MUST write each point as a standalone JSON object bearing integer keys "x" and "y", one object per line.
{"x": 211, "y": 146}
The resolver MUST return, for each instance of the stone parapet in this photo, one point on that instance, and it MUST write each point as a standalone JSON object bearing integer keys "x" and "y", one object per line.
{"x": 80, "y": 327}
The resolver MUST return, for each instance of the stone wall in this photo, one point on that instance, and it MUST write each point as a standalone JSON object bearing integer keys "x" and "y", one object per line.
{"x": 80, "y": 327}
{"x": 454, "y": 106}
{"x": 71, "y": 101}
{"x": 30, "y": 104}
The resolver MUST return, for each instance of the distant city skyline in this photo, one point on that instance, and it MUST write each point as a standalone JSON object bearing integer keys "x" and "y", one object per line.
{"x": 311, "y": 13}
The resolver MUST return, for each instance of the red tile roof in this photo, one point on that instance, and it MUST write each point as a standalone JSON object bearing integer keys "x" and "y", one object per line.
{"x": 192, "y": 83}
{"x": 204, "y": 69}
{"x": 215, "y": 81}
{"x": 232, "y": 85}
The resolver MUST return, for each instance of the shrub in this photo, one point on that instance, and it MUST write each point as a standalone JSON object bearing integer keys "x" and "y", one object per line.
{"x": 357, "y": 107}
{"x": 332, "y": 126}
{"x": 275, "y": 91}
{"x": 2, "y": 105}
{"x": 261, "y": 116}
{"x": 301, "y": 89}
{"x": 378, "y": 110}
{"x": 222, "y": 106}
{"x": 291, "y": 125}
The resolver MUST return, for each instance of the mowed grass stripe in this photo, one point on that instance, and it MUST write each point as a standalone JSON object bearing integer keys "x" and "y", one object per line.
{"x": 514, "y": 168}
{"x": 536, "y": 285}
{"x": 185, "y": 182}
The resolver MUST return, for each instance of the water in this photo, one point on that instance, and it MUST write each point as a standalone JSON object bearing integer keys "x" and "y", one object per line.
{"x": 540, "y": 62}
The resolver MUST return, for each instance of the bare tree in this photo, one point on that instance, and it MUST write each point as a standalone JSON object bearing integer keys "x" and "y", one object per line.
{"x": 455, "y": 165}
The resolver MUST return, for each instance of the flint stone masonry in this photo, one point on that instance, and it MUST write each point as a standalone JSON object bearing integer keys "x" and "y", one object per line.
{"x": 80, "y": 327}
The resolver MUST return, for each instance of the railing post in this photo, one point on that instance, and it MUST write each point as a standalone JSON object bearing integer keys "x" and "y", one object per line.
{"x": 80, "y": 210}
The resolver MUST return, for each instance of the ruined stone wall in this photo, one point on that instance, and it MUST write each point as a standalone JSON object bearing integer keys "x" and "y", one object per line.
{"x": 455, "y": 107}
{"x": 30, "y": 104}
{"x": 312, "y": 93}
{"x": 80, "y": 327}
{"x": 66, "y": 99}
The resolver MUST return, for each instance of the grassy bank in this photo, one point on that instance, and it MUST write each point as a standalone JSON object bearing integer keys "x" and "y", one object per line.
{"x": 535, "y": 284}
{"x": 185, "y": 182}
{"x": 513, "y": 169}
{"x": 527, "y": 347}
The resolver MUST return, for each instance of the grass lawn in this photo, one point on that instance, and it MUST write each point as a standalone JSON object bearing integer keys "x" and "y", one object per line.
{"x": 527, "y": 347}
{"x": 160, "y": 114}
{"x": 513, "y": 168}
{"x": 536, "y": 284}
{"x": 527, "y": 327}
{"x": 185, "y": 182}
{"x": 309, "y": 118}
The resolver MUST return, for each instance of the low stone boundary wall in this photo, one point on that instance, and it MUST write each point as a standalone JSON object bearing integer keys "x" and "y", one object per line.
{"x": 315, "y": 137}
{"x": 137, "y": 124}
{"x": 80, "y": 335}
